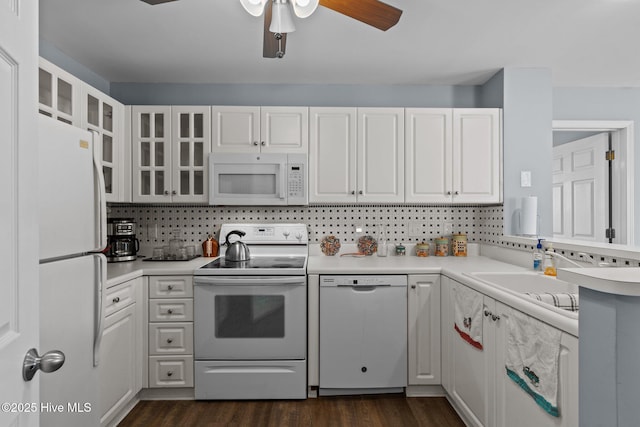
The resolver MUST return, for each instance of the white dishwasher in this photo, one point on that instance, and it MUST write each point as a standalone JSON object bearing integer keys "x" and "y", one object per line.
{"x": 363, "y": 334}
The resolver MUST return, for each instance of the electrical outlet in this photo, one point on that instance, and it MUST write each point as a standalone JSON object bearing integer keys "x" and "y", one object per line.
{"x": 447, "y": 228}
{"x": 415, "y": 229}
{"x": 358, "y": 228}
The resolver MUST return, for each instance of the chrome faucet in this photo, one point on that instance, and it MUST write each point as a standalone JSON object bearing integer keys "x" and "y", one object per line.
{"x": 583, "y": 255}
{"x": 564, "y": 258}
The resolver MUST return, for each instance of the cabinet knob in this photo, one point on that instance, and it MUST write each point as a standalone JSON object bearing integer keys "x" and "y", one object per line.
{"x": 456, "y": 193}
{"x": 495, "y": 318}
{"x": 169, "y": 287}
{"x": 169, "y": 340}
{"x": 263, "y": 143}
{"x": 487, "y": 313}
{"x": 448, "y": 193}
{"x": 169, "y": 373}
{"x": 255, "y": 142}
{"x": 174, "y": 192}
{"x": 166, "y": 192}
{"x": 116, "y": 300}
{"x": 353, "y": 192}
{"x": 170, "y": 311}
{"x": 360, "y": 192}
{"x": 413, "y": 286}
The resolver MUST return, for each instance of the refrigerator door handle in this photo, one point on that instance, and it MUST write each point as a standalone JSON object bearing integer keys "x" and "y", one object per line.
{"x": 101, "y": 192}
{"x": 99, "y": 307}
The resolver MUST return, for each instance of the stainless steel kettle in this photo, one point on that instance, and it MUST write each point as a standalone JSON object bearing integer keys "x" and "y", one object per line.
{"x": 236, "y": 251}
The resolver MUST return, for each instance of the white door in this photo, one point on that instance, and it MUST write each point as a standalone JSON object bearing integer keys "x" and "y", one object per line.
{"x": 380, "y": 155}
{"x": 428, "y": 155}
{"x": 579, "y": 189}
{"x": 235, "y": 129}
{"x": 332, "y": 155}
{"x": 19, "y": 315}
{"x": 284, "y": 129}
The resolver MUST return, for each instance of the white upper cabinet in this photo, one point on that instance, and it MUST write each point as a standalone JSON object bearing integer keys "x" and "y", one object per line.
{"x": 260, "y": 129}
{"x": 58, "y": 94}
{"x": 105, "y": 115}
{"x": 356, "y": 155}
{"x": 170, "y": 146}
{"x": 453, "y": 155}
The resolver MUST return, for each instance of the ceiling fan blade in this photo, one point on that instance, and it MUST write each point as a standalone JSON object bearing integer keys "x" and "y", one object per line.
{"x": 154, "y": 2}
{"x": 271, "y": 46}
{"x": 371, "y": 12}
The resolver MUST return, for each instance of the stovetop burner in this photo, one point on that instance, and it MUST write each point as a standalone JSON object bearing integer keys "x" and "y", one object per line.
{"x": 259, "y": 262}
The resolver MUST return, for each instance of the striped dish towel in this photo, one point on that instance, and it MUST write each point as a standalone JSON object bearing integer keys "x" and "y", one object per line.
{"x": 563, "y": 300}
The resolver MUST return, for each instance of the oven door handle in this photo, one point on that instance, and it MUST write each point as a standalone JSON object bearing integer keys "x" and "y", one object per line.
{"x": 258, "y": 280}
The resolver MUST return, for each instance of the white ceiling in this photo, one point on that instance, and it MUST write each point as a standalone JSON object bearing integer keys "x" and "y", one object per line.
{"x": 450, "y": 42}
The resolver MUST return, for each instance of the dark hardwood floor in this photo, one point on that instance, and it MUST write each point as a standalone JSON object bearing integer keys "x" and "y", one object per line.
{"x": 364, "y": 411}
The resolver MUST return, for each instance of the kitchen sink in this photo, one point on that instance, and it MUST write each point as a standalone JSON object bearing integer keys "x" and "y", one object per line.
{"x": 526, "y": 282}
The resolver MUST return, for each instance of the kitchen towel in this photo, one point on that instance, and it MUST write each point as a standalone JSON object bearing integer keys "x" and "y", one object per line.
{"x": 563, "y": 300}
{"x": 533, "y": 349}
{"x": 467, "y": 310}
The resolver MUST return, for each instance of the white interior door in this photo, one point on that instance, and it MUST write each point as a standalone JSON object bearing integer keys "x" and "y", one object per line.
{"x": 580, "y": 184}
{"x": 18, "y": 209}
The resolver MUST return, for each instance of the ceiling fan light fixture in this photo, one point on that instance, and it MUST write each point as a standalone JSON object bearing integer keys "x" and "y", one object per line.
{"x": 281, "y": 19}
{"x": 254, "y": 7}
{"x": 304, "y": 8}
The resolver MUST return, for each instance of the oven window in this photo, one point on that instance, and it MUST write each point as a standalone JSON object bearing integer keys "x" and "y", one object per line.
{"x": 247, "y": 183}
{"x": 249, "y": 316}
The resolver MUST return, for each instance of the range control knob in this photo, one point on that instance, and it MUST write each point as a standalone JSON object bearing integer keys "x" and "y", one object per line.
{"x": 299, "y": 236}
{"x": 286, "y": 234}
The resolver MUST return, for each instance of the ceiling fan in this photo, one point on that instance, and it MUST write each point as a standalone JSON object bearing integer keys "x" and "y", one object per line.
{"x": 278, "y": 21}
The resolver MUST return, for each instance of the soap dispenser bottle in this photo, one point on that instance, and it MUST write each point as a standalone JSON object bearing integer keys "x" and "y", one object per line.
{"x": 549, "y": 266}
{"x": 538, "y": 256}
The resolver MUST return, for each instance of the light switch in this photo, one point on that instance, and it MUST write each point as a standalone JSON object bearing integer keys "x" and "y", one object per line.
{"x": 525, "y": 178}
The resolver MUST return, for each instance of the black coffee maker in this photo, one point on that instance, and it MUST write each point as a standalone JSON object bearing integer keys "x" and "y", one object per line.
{"x": 122, "y": 244}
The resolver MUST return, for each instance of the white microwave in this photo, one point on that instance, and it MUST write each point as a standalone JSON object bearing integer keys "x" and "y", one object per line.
{"x": 258, "y": 179}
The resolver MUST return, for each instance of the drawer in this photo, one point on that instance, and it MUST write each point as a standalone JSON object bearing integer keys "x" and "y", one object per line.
{"x": 119, "y": 297}
{"x": 171, "y": 310}
{"x": 170, "y": 338}
{"x": 170, "y": 286}
{"x": 170, "y": 371}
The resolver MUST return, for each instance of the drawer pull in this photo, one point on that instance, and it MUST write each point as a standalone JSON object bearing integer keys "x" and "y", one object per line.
{"x": 170, "y": 311}
{"x": 169, "y": 340}
{"x": 487, "y": 313}
{"x": 169, "y": 373}
{"x": 116, "y": 300}
{"x": 169, "y": 287}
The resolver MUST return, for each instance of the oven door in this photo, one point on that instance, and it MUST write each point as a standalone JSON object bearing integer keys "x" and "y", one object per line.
{"x": 247, "y": 179}
{"x": 250, "y": 317}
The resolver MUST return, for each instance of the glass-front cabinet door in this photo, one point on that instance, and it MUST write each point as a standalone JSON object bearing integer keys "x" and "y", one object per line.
{"x": 191, "y": 144}
{"x": 105, "y": 115}
{"x": 58, "y": 93}
{"x": 151, "y": 153}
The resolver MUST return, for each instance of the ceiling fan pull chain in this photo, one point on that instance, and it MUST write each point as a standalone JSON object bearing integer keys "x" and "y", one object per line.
{"x": 278, "y": 37}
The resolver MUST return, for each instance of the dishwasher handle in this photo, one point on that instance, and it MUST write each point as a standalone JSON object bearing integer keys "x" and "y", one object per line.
{"x": 365, "y": 288}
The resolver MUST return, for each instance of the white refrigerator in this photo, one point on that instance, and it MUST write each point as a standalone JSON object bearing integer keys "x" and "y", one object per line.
{"x": 72, "y": 217}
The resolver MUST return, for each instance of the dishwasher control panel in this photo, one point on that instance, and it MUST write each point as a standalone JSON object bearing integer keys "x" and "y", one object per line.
{"x": 382, "y": 280}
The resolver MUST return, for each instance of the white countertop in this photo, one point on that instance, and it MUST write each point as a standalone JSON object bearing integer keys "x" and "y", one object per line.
{"x": 118, "y": 272}
{"x": 618, "y": 280}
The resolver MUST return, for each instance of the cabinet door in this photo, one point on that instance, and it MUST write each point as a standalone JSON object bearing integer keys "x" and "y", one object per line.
{"x": 428, "y": 155}
{"x": 513, "y": 405}
{"x": 424, "y": 329}
{"x": 332, "y": 155}
{"x": 380, "y": 155}
{"x": 191, "y": 144}
{"x": 151, "y": 153}
{"x": 118, "y": 361}
{"x": 105, "y": 115}
{"x": 472, "y": 370}
{"x": 58, "y": 93}
{"x": 477, "y": 155}
{"x": 235, "y": 129}
{"x": 284, "y": 129}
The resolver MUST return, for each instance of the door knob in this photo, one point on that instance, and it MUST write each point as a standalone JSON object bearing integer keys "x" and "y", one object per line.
{"x": 51, "y": 361}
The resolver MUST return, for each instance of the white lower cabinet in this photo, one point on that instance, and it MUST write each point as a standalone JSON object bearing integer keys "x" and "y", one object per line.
{"x": 476, "y": 380}
{"x": 170, "y": 331}
{"x": 120, "y": 367}
{"x": 423, "y": 313}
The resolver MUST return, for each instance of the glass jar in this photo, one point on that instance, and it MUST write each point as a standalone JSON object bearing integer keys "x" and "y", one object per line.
{"x": 400, "y": 250}
{"x": 422, "y": 249}
{"x": 382, "y": 241}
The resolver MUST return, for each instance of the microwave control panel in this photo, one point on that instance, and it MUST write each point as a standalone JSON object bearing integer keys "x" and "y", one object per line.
{"x": 296, "y": 182}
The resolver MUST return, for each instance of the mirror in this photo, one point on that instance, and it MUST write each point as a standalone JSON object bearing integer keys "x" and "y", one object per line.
{"x": 592, "y": 189}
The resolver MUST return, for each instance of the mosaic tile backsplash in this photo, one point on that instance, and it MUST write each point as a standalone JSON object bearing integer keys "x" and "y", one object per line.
{"x": 403, "y": 223}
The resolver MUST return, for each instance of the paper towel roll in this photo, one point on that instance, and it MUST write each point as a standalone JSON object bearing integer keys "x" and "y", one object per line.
{"x": 529, "y": 216}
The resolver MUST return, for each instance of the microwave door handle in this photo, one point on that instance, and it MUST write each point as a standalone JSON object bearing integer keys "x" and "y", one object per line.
{"x": 283, "y": 181}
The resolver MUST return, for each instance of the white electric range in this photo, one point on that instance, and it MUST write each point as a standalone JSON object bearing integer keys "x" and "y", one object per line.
{"x": 250, "y": 317}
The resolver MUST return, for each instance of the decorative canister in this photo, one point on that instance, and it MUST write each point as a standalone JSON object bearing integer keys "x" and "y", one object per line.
{"x": 400, "y": 250}
{"x": 442, "y": 246}
{"x": 422, "y": 249}
{"x": 459, "y": 244}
